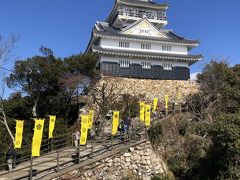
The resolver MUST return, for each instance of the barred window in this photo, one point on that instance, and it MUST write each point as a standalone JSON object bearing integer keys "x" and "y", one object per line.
{"x": 167, "y": 66}
{"x": 146, "y": 46}
{"x": 144, "y": 31}
{"x": 124, "y": 44}
{"x": 146, "y": 65}
{"x": 124, "y": 63}
{"x": 166, "y": 48}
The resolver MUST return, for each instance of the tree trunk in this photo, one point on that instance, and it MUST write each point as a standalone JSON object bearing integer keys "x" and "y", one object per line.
{"x": 6, "y": 125}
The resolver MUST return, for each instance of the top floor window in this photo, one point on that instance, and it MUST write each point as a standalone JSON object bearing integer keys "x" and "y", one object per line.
{"x": 166, "y": 48}
{"x": 144, "y": 31}
{"x": 146, "y": 46}
{"x": 124, "y": 44}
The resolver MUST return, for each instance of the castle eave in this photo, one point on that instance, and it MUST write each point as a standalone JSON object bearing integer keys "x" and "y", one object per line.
{"x": 190, "y": 58}
{"x": 148, "y": 39}
{"x": 149, "y": 5}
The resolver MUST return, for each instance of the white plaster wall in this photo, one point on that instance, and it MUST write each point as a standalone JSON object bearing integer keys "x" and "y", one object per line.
{"x": 138, "y": 61}
{"x": 136, "y": 46}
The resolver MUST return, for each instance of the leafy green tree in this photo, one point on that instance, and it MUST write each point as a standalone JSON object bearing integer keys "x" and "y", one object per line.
{"x": 17, "y": 106}
{"x": 82, "y": 64}
{"x": 223, "y": 157}
{"x": 38, "y": 78}
{"x": 221, "y": 85}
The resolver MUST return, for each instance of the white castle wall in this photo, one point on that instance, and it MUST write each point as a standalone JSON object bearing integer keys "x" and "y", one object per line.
{"x": 136, "y": 46}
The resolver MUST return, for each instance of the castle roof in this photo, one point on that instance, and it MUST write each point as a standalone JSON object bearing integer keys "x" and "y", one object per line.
{"x": 154, "y": 55}
{"x": 102, "y": 29}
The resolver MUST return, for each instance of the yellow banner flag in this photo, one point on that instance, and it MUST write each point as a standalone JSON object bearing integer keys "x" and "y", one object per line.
{"x": 148, "y": 115}
{"x": 37, "y": 137}
{"x": 155, "y": 104}
{"x": 90, "y": 119}
{"x": 142, "y": 111}
{"x": 18, "y": 135}
{"x": 115, "y": 122}
{"x": 84, "y": 129}
{"x": 166, "y": 101}
{"x": 52, "y": 120}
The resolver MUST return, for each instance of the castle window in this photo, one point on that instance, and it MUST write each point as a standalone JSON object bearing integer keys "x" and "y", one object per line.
{"x": 146, "y": 46}
{"x": 124, "y": 44}
{"x": 144, "y": 31}
{"x": 166, "y": 48}
{"x": 167, "y": 66}
{"x": 124, "y": 63}
{"x": 146, "y": 65}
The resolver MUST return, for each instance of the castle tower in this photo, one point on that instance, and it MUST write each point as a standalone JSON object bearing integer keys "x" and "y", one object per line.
{"x": 133, "y": 42}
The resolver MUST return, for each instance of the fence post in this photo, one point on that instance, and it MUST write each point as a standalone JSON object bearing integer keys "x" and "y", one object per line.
{"x": 173, "y": 108}
{"x": 79, "y": 153}
{"x": 14, "y": 161}
{"x": 92, "y": 146}
{"x": 111, "y": 141}
{"x": 129, "y": 135}
{"x": 58, "y": 158}
{"x": 31, "y": 168}
{"x": 51, "y": 144}
{"x": 180, "y": 107}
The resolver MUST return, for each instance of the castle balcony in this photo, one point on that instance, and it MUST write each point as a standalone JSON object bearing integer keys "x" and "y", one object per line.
{"x": 134, "y": 14}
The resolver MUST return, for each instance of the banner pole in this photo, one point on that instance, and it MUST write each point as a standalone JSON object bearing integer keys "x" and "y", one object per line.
{"x": 58, "y": 158}
{"x": 31, "y": 168}
{"x": 111, "y": 142}
{"x": 79, "y": 153}
{"x": 92, "y": 146}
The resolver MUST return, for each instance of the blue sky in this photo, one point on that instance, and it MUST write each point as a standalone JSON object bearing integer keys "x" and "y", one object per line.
{"x": 65, "y": 25}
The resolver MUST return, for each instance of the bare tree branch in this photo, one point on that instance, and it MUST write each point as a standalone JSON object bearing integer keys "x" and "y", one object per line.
{"x": 6, "y": 47}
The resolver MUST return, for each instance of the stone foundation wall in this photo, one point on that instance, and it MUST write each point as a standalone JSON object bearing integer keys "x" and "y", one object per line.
{"x": 151, "y": 88}
{"x": 140, "y": 161}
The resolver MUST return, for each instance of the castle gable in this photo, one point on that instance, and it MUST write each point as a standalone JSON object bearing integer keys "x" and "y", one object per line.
{"x": 143, "y": 28}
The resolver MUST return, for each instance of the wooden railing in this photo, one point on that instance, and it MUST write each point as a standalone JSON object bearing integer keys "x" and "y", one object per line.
{"x": 57, "y": 148}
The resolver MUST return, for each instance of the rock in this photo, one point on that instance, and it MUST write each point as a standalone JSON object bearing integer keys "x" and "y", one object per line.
{"x": 141, "y": 153}
{"x": 147, "y": 157}
{"x": 136, "y": 157}
{"x": 116, "y": 160}
{"x": 131, "y": 149}
{"x": 126, "y": 154}
{"x": 138, "y": 147}
{"x": 89, "y": 173}
{"x": 140, "y": 160}
{"x": 143, "y": 162}
{"x": 127, "y": 164}
{"x": 105, "y": 168}
{"x": 147, "y": 153}
{"x": 134, "y": 166}
{"x": 109, "y": 164}
{"x": 128, "y": 159}
{"x": 109, "y": 161}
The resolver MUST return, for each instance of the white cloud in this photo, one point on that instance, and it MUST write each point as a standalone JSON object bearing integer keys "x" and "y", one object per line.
{"x": 193, "y": 76}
